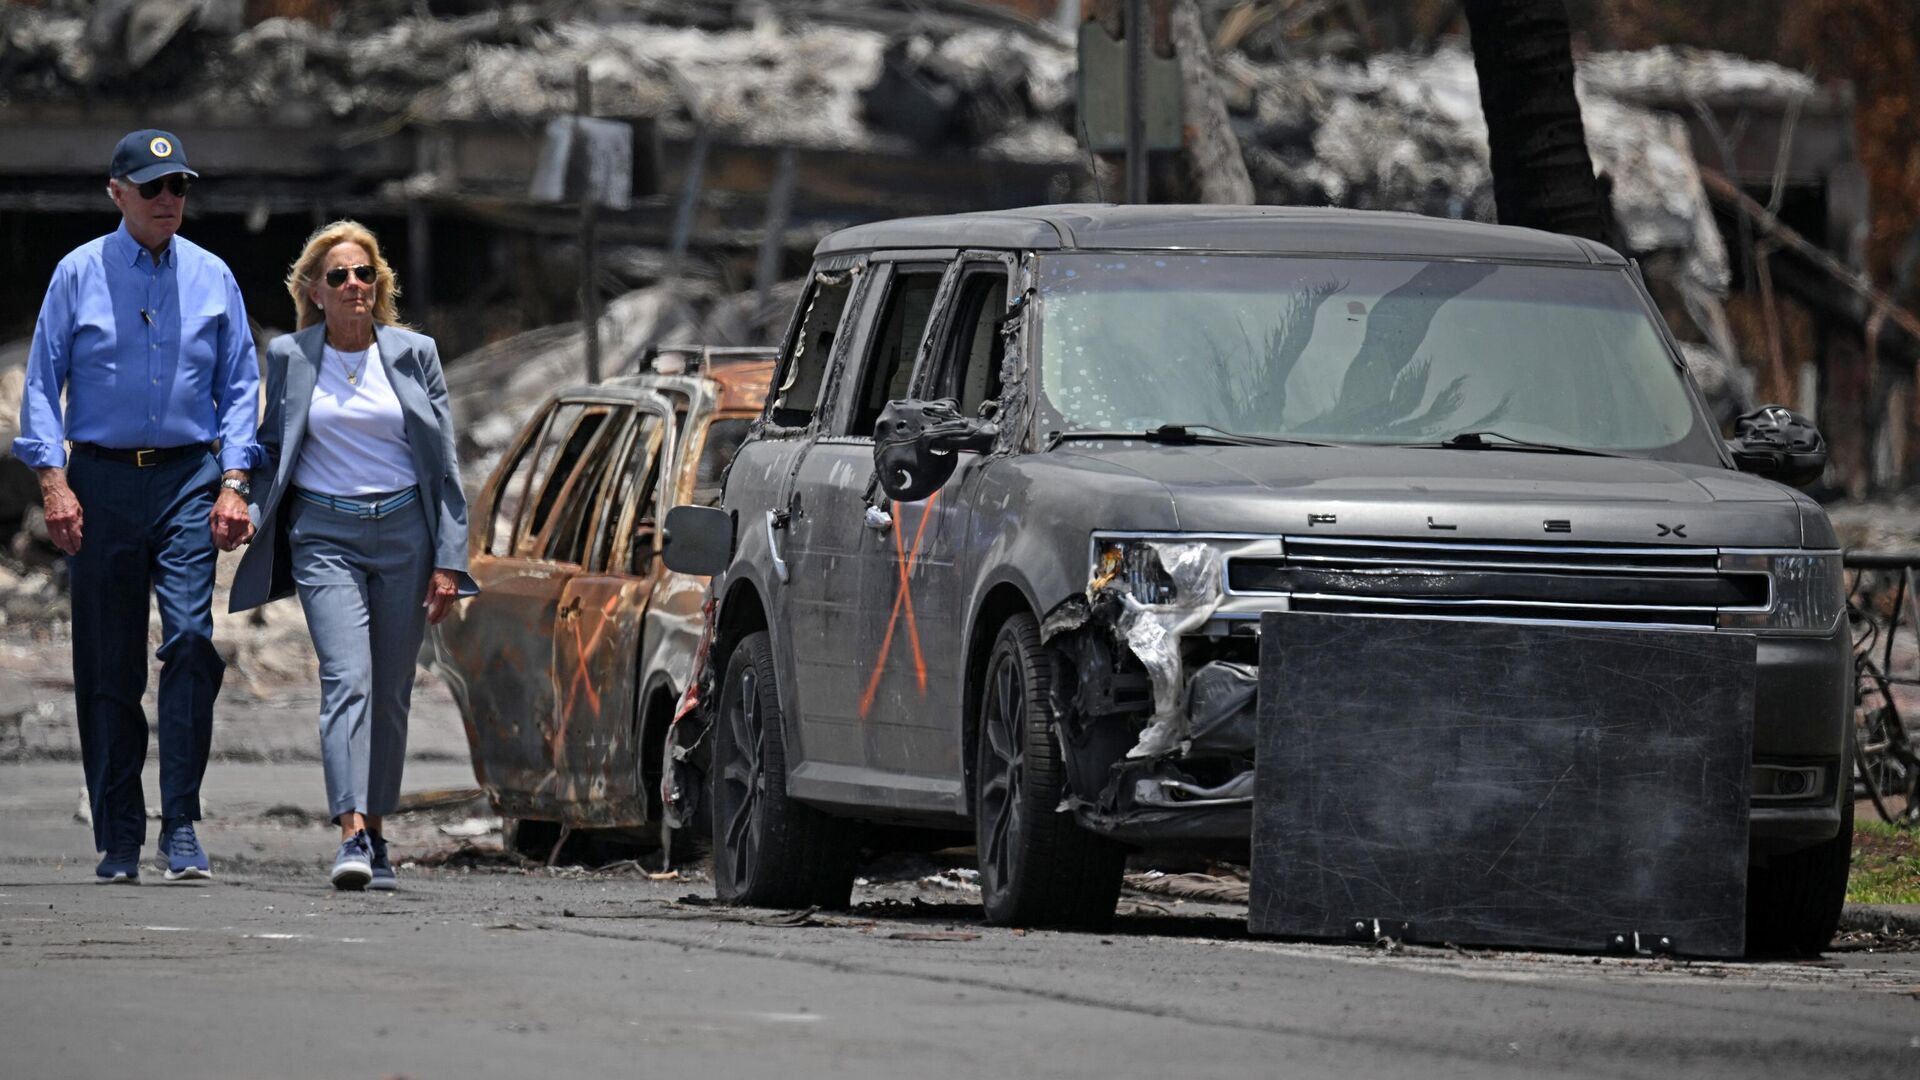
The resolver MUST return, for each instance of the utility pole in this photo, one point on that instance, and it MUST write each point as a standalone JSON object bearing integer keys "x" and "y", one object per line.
{"x": 1137, "y": 35}
{"x": 589, "y": 215}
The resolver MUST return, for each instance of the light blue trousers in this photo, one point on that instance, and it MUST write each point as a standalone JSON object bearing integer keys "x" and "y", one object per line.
{"x": 362, "y": 583}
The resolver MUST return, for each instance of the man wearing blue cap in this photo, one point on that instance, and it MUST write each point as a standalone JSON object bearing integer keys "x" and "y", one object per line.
{"x": 146, "y": 333}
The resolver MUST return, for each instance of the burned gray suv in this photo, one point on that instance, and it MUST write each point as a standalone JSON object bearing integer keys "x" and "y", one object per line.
{"x": 996, "y": 556}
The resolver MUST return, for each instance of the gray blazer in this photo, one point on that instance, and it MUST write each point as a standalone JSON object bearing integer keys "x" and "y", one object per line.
{"x": 412, "y": 362}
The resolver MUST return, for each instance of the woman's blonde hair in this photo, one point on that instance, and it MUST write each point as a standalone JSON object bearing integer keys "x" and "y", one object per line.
{"x": 305, "y": 273}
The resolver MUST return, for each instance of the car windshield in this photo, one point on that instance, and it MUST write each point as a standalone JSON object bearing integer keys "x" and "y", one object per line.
{"x": 1385, "y": 351}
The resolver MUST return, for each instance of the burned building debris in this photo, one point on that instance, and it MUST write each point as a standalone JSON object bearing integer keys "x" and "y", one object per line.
{"x": 427, "y": 122}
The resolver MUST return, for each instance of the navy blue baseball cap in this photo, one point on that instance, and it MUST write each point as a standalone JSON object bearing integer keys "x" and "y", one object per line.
{"x": 144, "y": 155}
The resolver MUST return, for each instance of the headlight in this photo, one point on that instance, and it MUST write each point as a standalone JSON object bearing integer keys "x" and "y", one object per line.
{"x": 1809, "y": 591}
{"x": 1161, "y": 572}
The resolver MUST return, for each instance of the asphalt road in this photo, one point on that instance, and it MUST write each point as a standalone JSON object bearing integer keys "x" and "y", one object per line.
{"x": 479, "y": 969}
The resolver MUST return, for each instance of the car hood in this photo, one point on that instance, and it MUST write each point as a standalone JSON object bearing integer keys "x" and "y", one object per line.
{"x": 1458, "y": 494}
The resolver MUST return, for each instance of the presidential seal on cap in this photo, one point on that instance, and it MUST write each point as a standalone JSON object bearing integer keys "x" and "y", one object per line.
{"x": 147, "y": 155}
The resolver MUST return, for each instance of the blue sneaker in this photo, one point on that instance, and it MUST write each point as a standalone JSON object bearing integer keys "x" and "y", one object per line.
{"x": 186, "y": 860}
{"x": 383, "y": 878}
{"x": 353, "y": 867}
{"x": 119, "y": 868}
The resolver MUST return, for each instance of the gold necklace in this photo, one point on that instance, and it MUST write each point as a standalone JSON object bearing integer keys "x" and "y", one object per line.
{"x": 353, "y": 374}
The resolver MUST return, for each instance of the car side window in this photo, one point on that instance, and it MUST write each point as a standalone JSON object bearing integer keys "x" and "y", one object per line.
{"x": 580, "y": 499}
{"x": 511, "y": 493}
{"x": 724, "y": 437}
{"x": 888, "y": 372}
{"x": 969, "y": 368}
{"x": 627, "y": 506}
{"x": 610, "y": 505}
{"x": 552, "y": 477}
{"x": 803, "y": 368}
{"x": 561, "y": 428}
{"x": 645, "y": 466}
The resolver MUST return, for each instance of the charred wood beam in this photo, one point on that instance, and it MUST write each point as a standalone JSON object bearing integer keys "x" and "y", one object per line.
{"x": 64, "y": 141}
{"x": 1850, "y": 295}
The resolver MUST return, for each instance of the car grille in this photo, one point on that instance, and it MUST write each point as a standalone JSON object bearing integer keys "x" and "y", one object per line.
{"x": 1534, "y": 582}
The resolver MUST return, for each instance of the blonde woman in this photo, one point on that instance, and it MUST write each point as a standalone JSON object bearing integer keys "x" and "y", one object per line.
{"x": 359, "y": 509}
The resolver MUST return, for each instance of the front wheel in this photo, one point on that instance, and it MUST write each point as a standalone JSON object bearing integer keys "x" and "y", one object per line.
{"x": 1794, "y": 902}
{"x": 768, "y": 850}
{"x": 1037, "y": 865}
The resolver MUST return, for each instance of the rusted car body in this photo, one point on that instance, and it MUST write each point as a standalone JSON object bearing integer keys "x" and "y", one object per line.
{"x": 567, "y": 665}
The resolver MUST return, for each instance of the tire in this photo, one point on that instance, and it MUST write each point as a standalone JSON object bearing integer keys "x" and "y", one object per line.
{"x": 1038, "y": 867}
{"x": 1793, "y": 903}
{"x": 768, "y": 850}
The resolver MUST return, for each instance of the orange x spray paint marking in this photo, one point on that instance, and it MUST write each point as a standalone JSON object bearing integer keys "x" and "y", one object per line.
{"x": 902, "y": 601}
{"x": 581, "y": 680}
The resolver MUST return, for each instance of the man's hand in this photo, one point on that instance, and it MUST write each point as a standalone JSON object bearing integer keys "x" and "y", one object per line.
{"x": 231, "y": 524}
{"x": 62, "y": 509}
{"x": 442, "y": 591}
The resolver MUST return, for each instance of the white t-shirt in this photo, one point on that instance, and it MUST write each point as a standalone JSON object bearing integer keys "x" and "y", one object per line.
{"x": 356, "y": 440}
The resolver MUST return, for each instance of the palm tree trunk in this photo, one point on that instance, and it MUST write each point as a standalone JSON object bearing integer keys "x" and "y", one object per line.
{"x": 1542, "y": 175}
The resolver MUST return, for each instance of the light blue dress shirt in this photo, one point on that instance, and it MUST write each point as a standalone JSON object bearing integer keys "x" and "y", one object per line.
{"x": 150, "y": 354}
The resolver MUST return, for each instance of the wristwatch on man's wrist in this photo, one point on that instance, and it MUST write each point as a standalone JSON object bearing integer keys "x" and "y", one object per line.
{"x": 235, "y": 483}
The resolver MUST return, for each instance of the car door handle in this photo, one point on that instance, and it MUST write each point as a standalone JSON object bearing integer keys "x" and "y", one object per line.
{"x": 878, "y": 520}
{"x": 773, "y": 546}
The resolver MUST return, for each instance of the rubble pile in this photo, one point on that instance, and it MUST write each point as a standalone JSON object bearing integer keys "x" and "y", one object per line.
{"x": 1670, "y": 73}
{"x": 1394, "y": 131}
{"x": 496, "y": 388}
{"x": 1405, "y": 132}
{"x": 1005, "y": 86}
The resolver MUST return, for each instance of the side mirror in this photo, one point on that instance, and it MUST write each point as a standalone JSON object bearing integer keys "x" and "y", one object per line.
{"x": 1779, "y": 444}
{"x": 697, "y": 540}
{"x": 914, "y": 442}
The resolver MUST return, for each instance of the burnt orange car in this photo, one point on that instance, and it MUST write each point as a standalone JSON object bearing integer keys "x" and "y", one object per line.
{"x": 567, "y": 665}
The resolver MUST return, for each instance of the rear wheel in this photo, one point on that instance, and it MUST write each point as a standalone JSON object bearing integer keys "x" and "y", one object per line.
{"x": 1037, "y": 865}
{"x": 1794, "y": 902}
{"x": 768, "y": 851}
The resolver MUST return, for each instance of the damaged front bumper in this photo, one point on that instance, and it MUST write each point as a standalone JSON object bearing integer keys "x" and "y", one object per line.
{"x": 1156, "y": 690}
{"x": 1155, "y": 693}
{"x": 685, "y": 755}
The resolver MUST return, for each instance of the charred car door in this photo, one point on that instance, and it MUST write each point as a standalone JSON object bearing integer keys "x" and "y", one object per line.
{"x": 498, "y": 645}
{"x": 921, "y": 575}
{"x": 597, "y": 639}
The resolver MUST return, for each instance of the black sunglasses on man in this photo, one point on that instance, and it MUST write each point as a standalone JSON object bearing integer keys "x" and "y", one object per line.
{"x": 177, "y": 183}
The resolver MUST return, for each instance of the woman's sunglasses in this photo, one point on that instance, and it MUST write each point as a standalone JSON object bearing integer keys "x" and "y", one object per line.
{"x": 177, "y": 183}
{"x": 337, "y": 276}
